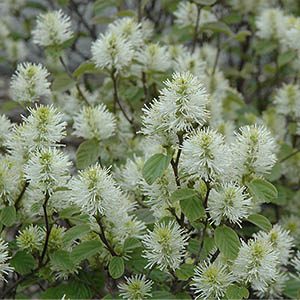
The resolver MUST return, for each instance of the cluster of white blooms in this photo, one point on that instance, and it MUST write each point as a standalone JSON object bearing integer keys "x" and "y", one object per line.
{"x": 8, "y": 179}
{"x": 287, "y": 100}
{"x": 129, "y": 29}
{"x": 154, "y": 57}
{"x": 280, "y": 240}
{"x": 136, "y": 287}
{"x": 189, "y": 135}
{"x": 96, "y": 193}
{"x": 159, "y": 194}
{"x": 253, "y": 151}
{"x": 186, "y": 14}
{"x": 228, "y": 202}
{"x": 269, "y": 24}
{"x": 47, "y": 169}
{"x": 94, "y": 122}
{"x": 250, "y": 6}
{"x": 182, "y": 106}
{"x": 31, "y": 238}
{"x": 4, "y": 257}
{"x": 165, "y": 246}
{"x": 29, "y": 83}
{"x": 112, "y": 51}
{"x": 204, "y": 154}
{"x": 52, "y": 29}
{"x": 256, "y": 263}
{"x": 211, "y": 280}
{"x": 5, "y": 129}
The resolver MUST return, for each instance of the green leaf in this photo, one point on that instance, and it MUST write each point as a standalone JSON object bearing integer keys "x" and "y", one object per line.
{"x": 227, "y": 241}
{"x": 285, "y": 58}
{"x": 85, "y": 67}
{"x": 85, "y": 250}
{"x": 116, "y": 267}
{"x": 206, "y": 2}
{"x": 292, "y": 288}
{"x": 183, "y": 194}
{"x": 62, "y": 260}
{"x": 145, "y": 215}
{"x": 75, "y": 233}
{"x": 62, "y": 82}
{"x": 162, "y": 295}
{"x": 265, "y": 46}
{"x": 185, "y": 272}
{"x": 262, "y": 190}
{"x": 190, "y": 204}
{"x": 217, "y": 27}
{"x": 36, "y": 5}
{"x": 87, "y": 153}
{"x": 155, "y": 167}
{"x": 22, "y": 262}
{"x": 8, "y": 216}
{"x": 237, "y": 292}
{"x": 131, "y": 244}
{"x": 260, "y": 221}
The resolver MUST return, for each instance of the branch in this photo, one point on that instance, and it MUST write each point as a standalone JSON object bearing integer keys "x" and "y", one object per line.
{"x": 48, "y": 230}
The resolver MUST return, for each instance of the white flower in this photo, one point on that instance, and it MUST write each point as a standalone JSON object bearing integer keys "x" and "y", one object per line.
{"x": 229, "y": 202}
{"x": 129, "y": 29}
{"x": 44, "y": 126}
{"x": 165, "y": 246}
{"x": 184, "y": 102}
{"x": 296, "y": 262}
{"x": 155, "y": 124}
{"x": 91, "y": 188}
{"x": 204, "y": 154}
{"x": 274, "y": 288}
{"x": 256, "y": 263}
{"x": 190, "y": 62}
{"x": 94, "y": 122}
{"x": 186, "y": 15}
{"x": 211, "y": 280}
{"x": 47, "y": 169}
{"x": 5, "y": 129}
{"x": 253, "y": 6}
{"x": 269, "y": 24}
{"x": 292, "y": 35}
{"x": 291, "y": 223}
{"x": 159, "y": 193}
{"x": 137, "y": 287}
{"x": 154, "y": 57}
{"x": 254, "y": 150}
{"x": 29, "y": 83}
{"x": 16, "y": 50}
{"x": 147, "y": 29}
{"x": 287, "y": 100}
{"x": 112, "y": 51}
{"x": 31, "y": 238}
{"x": 52, "y": 29}
{"x": 9, "y": 178}
{"x": 280, "y": 240}
{"x": 4, "y": 265}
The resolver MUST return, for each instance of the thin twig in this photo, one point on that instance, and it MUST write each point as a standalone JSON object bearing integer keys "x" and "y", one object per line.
{"x": 196, "y": 28}
{"x": 48, "y": 229}
{"x": 81, "y": 95}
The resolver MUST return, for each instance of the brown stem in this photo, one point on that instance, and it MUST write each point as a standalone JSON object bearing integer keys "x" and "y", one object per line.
{"x": 196, "y": 29}
{"x": 48, "y": 229}
{"x": 17, "y": 202}
{"x": 81, "y": 95}
{"x": 104, "y": 239}
{"x": 116, "y": 97}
